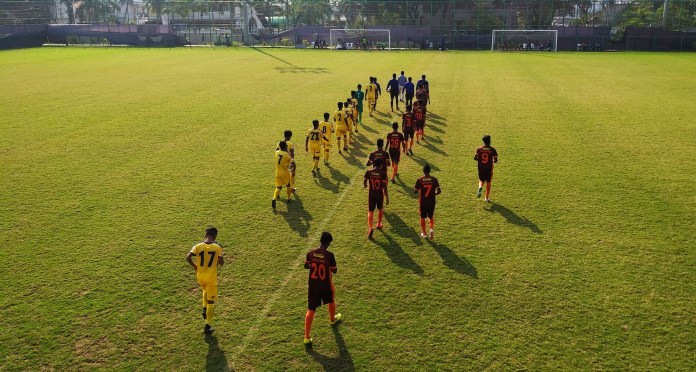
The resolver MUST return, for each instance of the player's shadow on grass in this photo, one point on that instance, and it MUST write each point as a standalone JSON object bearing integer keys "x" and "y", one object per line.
{"x": 367, "y": 128}
{"x": 514, "y": 218}
{"x": 435, "y": 116}
{"x": 433, "y": 128}
{"x": 406, "y": 188}
{"x": 433, "y": 139}
{"x": 433, "y": 148}
{"x": 215, "y": 360}
{"x": 396, "y": 254}
{"x": 453, "y": 261}
{"x": 274, "y": 57}
{"x": 335, "y": 174}
{"x": 305, "y": 70}
{"x": 401, "y": 228}
{"x": 421, "y": 161}
{"x": 297, "y": 216}
{"x": 344, "y": 362}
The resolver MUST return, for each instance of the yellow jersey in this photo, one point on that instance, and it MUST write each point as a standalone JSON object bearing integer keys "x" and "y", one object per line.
{"x": 339, "y": 117}
{"x": 371, "y": 91}
{"x": 349, "y": 116}
{"x": 354, "y": 101}
{"x": 291, "y": 148}
{"x": 326, "y": 128}
{"x": 314, "y": 136}
{"x": 207, "y": 261}
{"x": 282, "y": 160}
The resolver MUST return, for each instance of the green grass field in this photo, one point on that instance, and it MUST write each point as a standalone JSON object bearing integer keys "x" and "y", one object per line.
{"x": 113, "y": 161}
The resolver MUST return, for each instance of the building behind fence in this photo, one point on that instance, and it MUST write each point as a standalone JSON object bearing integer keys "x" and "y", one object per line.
{"x": 620, "y": 25}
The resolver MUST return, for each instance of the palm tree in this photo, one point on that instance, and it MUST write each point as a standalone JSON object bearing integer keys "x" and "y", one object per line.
{"x": 127, "y": 3}
{"x": 159, "y": 6}
{"x": 94, "y": 11}
{"x": 69, "y": 8}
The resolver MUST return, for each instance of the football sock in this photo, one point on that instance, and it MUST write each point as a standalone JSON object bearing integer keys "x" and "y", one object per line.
{"x": 422, "y": 223}
{"x": 396, "y": 169}
{"x": 204, "y": 302}
{"x": 309, "y": 317}
{"x": 209, "y": 312}
{"x": 276, "y": 194}
{"x": 370, "y": 218}
{"x": 488, "y": 190}
{"x": 289, "y": 191}
{"x": 339, "y": 143}
{"x": 380, "y": 214}
{"x": 326, "y": 155}
{"x": 316, "y": 163}
{"x": 432, "y": 223}
{"x": 332, "y": 311}
{"x": 360, "y": 117}
{"x": 480, "y": 184}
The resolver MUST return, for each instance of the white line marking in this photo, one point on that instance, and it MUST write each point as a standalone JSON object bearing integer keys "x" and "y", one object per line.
{"x": 293, "y": 269}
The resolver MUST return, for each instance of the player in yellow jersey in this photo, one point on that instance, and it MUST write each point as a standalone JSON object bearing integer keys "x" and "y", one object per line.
{"x": 313, "y": 145}
{"x": 350, "y": 121}
{"x": 341, "y": 127}
{"x": 326, "y": 129}
{"x": 291, "y": 150}
{"x": 354, "y": 102}
{"x": 282, "y": 173}
{"x": 371, "y": 93}
{"x": 207, "y": 256}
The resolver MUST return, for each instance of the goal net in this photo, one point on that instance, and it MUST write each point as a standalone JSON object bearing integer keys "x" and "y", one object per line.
{"x": 524, "y": 40}
{"x": 362, "y": 39}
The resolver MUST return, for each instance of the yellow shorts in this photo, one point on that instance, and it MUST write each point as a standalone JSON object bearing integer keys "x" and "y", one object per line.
{"x": 326, "y": 144}
{"x": 340, "y": 132}
{"x": 371, "y": 100}
{"x": 210, "y": 289}
{"x": 282, "y": 179}
{"x": 350, "y": 127}
{"x": 315, "y": 150}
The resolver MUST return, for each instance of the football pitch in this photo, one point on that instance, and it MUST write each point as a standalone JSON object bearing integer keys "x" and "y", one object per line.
{"x": 113, "y": 161}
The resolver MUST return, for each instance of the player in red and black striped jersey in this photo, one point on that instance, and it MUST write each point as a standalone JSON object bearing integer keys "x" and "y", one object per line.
{"x": 320, "y": 289}
{"x": 426, "y": 188}
{"x": 376, "y": 180}
{"x": 485, "y": 155}
{"x": 379, "y": 154}
{"x": 408, "y": 122}
{"x": 419, "y": 115}
{"x": 396, "y": 142}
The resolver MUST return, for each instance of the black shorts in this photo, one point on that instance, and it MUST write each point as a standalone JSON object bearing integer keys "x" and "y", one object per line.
{"x": 485, "y": 175}
{"x": 420, "y": 124}
{"x": 408, "y": 134}
{"x": 394, "y": 155}
{"x": 409, "y": 96}
{"x": 316, "y": 296}
{"x": 375, "y": 202}
{"x": 394, "y": 94}
{"x": 427, "y": 211}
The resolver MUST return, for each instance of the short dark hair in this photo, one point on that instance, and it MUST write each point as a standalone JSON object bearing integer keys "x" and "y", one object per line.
{"x": 394, "y": 75}
{"x": 315, "y": 123}
{"x": 340, "y": 105}
{"x": 426, "y": 168}
{"x": 378, "y": 163}
{"x": 423, "y": 76}
{"x": 287, "y": 133}
{"x": 211, "y": 231}
{"x": 402, "y": 72}
{"x": 380, "y": 142}
{"x": 395, "y": 125}
{"x": 409, "y": 78}
{"x": 326, "y": 238}
{"x": 408, "y": 108}
{"x": 326, "y": 116}
{"x": 359, "y": 86}
{"x": 283, "y": 145}
{"x": 486, "y": 139}
{"x": 352, "y": 93}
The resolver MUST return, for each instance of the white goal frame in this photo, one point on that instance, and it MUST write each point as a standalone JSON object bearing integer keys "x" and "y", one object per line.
{"x": 553, "y": 32}
{"x": 358, "y": 31}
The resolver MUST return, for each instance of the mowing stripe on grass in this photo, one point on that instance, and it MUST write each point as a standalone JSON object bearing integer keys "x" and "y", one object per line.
{"x": 292, "y": 269}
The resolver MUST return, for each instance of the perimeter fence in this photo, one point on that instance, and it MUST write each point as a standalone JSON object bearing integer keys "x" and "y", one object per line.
{"x": 581, "y": 25}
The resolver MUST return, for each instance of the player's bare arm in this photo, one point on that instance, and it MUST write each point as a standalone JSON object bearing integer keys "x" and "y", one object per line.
{"x": 221, "y": 260}
{"x": 189, "y": 259}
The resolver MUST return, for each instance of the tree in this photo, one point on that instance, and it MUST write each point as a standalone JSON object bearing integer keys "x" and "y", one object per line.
{"x": 95, "y": 11}
{"x": 159, "y": 6}
{"x": 311, "y": 12}
{"x": 70, "y": 8}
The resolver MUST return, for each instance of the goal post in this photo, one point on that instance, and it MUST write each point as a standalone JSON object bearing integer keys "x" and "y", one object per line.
{"x": 511, "y": 40}
{"x": 357, "y": 38}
